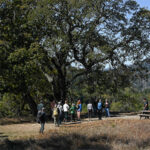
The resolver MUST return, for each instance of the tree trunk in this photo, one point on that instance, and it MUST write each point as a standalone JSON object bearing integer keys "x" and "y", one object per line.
{"x": 31, "y": 103}
{"x": 59, "y": 89}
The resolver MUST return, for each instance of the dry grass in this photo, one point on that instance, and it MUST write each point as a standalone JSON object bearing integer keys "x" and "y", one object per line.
{"x": 116, "y": 134}
{"x": 6, "y": 121}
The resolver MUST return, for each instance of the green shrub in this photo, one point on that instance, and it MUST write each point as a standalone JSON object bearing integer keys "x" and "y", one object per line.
{"x": 127, "y": 106}
{"x": 9, "y": 105}
{"x": 116, "y": 106}
{"x": 84, "y": 108}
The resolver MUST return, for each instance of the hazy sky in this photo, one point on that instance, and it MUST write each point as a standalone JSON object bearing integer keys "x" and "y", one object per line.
{"x": 144, "y": 3}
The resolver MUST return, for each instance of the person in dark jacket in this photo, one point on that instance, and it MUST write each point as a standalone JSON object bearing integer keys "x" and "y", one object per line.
{"x": 145, "y": 104}
{"x": 42, "y": 118}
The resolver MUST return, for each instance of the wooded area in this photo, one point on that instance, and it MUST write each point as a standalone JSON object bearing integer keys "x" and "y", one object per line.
{"x": 57, "y": 50}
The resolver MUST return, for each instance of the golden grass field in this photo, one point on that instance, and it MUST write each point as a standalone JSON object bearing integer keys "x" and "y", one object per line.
{"x": 108, "y": 134}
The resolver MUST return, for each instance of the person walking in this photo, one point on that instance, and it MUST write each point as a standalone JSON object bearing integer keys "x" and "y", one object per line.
{"x": 99, "y": 109}
{"x": 79, "y": 109}
{"x": 73, "y": 112}
{"x": 66, "y": 109}
{"x": 107, "y": 105}
{"x": 90, "y": 110}
{"x": 41, "y": 119}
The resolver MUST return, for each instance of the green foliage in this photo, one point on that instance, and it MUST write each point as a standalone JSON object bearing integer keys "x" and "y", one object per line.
{"x": 117, "y": 106}
{"x": 84, "y": 108}
{"x": 126, "y": 107}
{"x": 10, "y": 105}
{"x": 127, "y": 100}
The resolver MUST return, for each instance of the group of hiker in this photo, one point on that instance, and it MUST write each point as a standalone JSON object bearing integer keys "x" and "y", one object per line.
{"x": 71, "y": 112}
{"x": 61, "y": 112}
{"x": 98, "y": 109}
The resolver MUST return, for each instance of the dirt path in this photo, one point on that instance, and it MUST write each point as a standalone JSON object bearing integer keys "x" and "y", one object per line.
{"x": 29, "y": 130}
{"x": 17, "y": 131}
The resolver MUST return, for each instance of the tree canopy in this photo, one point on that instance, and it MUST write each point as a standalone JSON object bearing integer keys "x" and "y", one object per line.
{"x": 47, "y": 46}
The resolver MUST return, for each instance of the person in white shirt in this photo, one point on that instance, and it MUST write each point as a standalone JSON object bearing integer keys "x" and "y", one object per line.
{"x": 66, "y": 109}
{"x": 90, "y": 109}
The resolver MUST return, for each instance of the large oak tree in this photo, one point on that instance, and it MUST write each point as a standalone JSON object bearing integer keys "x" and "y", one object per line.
{"x": 49, "y": 39}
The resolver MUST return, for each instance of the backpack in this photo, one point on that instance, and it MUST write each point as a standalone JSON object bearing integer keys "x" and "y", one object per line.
{"x": 55, "y": 112}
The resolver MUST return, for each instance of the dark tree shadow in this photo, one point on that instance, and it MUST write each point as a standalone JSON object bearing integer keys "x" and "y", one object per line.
{"x": 2, "y": 136}
{"x": 57, "y": 142}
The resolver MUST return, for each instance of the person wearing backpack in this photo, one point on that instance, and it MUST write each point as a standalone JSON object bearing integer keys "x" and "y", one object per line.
{"x": 41, "y": 117}
{"x": 99, "y": 109}
{"x": 56, "y": 115}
